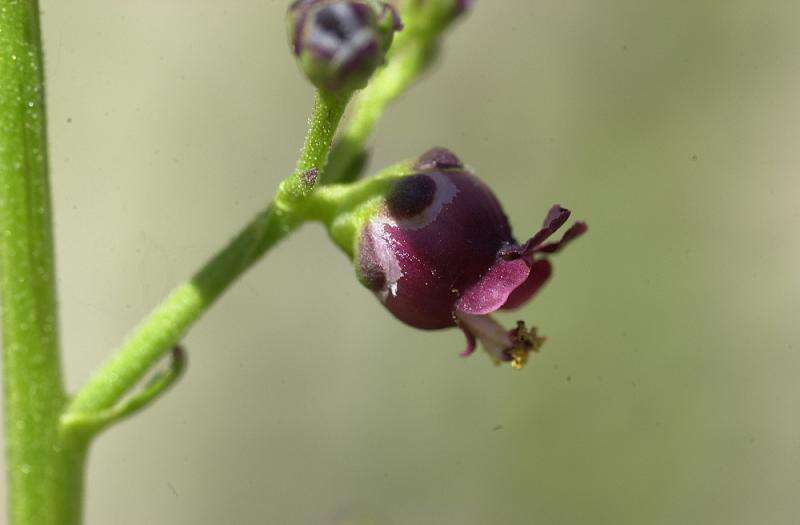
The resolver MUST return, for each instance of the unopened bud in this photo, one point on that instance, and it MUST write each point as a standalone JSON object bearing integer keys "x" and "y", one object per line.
{"x": 340, "y": 43}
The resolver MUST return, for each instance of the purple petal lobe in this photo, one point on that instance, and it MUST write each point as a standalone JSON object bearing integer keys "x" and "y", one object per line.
{"x": 556, "y": 217}
{"x": 438, "y": 159}
{"x": 495, "y": 339}
{"x": 540, "y": 273}
{"x": 575, "y": 231}
{"x": 492, "y": 290}
{"x": 472, "y": 343}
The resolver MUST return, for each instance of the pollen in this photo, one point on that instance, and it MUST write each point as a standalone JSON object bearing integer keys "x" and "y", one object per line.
{"x": 519, "y": 357}
{"x": 525, "y": 342}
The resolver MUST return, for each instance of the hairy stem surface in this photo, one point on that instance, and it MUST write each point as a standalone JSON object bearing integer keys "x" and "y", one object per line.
{"x": 45, "y": 472}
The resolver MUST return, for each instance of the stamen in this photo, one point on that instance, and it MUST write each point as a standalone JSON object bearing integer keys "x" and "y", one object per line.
{"x": 525, "y": 341}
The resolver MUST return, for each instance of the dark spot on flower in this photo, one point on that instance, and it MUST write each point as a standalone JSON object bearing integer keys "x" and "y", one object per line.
{"x": 411, "y": 196}
{"x": 438, "y": 158}
{"x": 310, "y": 176}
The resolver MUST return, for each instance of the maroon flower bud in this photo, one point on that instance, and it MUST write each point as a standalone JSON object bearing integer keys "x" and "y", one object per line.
{"x": 340, "y": 43}
{"x": 439, "y": 253}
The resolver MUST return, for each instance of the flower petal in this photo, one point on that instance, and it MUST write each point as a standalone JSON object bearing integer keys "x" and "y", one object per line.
{"x": 556, "y": 217}
{"x": 492, "y": 290}
{"x": 472, "y": 343}
{"x": 577, "y": 229}
{"x": 540, "y": 273}
{"x": 495, "y": 339}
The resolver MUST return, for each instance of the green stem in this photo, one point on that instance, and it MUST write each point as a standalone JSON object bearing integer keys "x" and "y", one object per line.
{"x": 87, "y": 425}
{"x": 328, "y": 111}
{"x": 162, "y": 330}
{"x": 345, "y": 208}
{"x": 45, "y": 472}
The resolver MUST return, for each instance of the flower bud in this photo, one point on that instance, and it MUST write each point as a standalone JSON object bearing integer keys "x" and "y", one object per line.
{"x": 438, "y": 252}
{"x": 340, "y": 43}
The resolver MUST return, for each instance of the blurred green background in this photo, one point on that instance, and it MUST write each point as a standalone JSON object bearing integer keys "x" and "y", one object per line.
{"x": 667, "y": 392}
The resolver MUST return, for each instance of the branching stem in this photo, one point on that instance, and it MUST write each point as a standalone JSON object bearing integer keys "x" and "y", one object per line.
{"x": 167, "y": 324}
{"x": 47, "y": 436}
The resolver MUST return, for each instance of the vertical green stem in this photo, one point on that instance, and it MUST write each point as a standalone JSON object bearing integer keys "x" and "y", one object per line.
{"x": 328, "y": 111}
{"x": 44, "y": 473}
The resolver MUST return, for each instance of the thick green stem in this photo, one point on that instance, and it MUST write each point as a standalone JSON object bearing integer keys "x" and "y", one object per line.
{"x": 162, "y": 330}
{"x": 45, "y": 472}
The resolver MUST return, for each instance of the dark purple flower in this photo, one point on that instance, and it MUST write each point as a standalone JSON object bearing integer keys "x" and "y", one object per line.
{"x": 440, "y": 253}
{"x": 340, "y": 43}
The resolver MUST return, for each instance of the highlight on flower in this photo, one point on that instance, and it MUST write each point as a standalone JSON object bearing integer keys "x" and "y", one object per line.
{"x": 339, "y": 43}
{"x": 437, "y": 250}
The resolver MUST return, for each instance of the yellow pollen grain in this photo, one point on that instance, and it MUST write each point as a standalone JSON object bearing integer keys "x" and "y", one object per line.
{"x": 519, "y": 357}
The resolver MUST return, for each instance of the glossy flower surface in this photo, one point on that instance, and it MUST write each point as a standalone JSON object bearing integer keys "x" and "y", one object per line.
{"x": 340, "y": 43}
{"x": 440, "y": 253}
